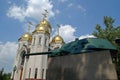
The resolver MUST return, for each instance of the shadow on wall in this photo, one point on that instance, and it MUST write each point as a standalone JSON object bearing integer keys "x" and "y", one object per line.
{"x": 86, "y": 66}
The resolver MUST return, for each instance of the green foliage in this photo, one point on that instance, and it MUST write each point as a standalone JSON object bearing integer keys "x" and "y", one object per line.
{"x": 4, "y": 76}
{"x": 110, "y": 32}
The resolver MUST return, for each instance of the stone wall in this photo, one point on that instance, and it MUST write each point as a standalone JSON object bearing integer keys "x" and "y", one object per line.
{"x": 86, "y": 66}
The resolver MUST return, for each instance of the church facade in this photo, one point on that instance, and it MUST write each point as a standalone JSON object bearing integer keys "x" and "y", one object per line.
{"x": 35, "y": 67}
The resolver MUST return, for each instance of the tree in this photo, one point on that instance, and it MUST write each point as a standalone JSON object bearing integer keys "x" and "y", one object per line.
{"x": 1, "y": 73}
{"x": 4, "y": 76}
{"x": 110, "y": 32}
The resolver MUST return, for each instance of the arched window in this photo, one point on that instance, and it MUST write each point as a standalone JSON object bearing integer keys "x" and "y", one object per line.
{"x": 22, "y": 57}
{"x": 42, "y": 73}
{"x": 29, "y": 72}
{"x": 45, "y": 42}
{"x": 34, "y": 41}
{"x": 36, "y": 70}
{"x": 39, "y": 40}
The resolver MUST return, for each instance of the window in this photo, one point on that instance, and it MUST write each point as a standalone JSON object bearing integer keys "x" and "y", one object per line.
{"x": 34, "y": 41}
{"x": 22, "y": 58}
{"x": 42, "y": 73}
{"x": 39, "y": 40}
{"x": 29, "y": 72}
{"x": 36, "y": 70}
{"x": 45, "y": 42}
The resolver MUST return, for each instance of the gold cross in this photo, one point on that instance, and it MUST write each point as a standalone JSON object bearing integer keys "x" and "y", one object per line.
{"x": 45, "y": 13}
{"x": 58, "y": 29}
{"x": 29, "y": 25}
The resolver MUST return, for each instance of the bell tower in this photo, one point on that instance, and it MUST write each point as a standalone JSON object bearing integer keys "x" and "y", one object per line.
{"x": 37, "y": 64}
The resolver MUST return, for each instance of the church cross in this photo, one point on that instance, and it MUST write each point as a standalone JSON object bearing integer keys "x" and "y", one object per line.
{"x": 45, "y": 13}
{"x": 58, "y": 29}
{"x": 29, "y": 25}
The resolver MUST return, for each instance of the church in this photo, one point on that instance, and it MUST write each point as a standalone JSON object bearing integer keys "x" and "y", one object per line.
{"x": 39, "y": 58}
{"x": 34, "y": 67}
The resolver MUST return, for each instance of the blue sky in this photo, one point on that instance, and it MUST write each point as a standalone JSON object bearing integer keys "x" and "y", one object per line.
{"x": 76, "y": 18}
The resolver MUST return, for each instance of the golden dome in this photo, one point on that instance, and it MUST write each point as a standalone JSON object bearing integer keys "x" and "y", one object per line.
{"x": 57, "y": 39}
{"x": 27, "y": 37}
{"x": 45, "y": 23}
{"x": 43, "y": 26}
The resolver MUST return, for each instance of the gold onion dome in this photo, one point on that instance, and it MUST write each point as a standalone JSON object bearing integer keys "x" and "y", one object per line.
{"x": 26, "y": 37}
{"x": 43, "y": 26}
{"x": 57, "y": 39}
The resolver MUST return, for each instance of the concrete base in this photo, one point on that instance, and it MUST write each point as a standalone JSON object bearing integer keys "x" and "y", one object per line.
{"x": 86, "y": 66}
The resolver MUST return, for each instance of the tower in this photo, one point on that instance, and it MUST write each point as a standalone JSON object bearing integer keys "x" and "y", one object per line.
{"x": 24, "y": 43}
{"x": 37, "y": 64}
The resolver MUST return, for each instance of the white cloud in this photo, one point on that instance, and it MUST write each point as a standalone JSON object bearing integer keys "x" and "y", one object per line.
{"x": 71, "y": 4}
{"x": 7, "y": 55}
{"x": 57, "y": 11}
{"x": 63, "y": 0}
{"x": 87, "y": 36}
{"x": 67, "y": 32}
{"x": 9, "y": 2}
{"x": 33, "y": 10}
{"x": 81, "y": 8}
{"x": 1, "y": 42}
{"x": 32, "y": 27}
{"x": 16, "y": 13}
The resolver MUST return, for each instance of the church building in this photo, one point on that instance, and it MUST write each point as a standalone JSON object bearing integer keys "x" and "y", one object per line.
{"x": 35, "y": 67}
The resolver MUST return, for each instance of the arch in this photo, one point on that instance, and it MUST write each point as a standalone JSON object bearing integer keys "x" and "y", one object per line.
{"x": 29, "y": 72}
{"x": 46, "y": 43}
{"x": 33, "y": 41}
{"x": 40, "y": 38}
{"x": 36, "y": 71}
{"x": 22, "y": 56}
{"x": 24, "y": 50}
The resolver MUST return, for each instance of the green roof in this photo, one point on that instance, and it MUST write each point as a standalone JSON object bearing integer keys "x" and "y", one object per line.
{"x": 78, "y": 47}
{"x": 83, "y": 46}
